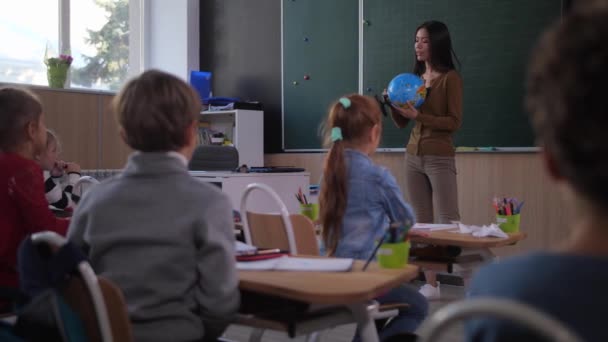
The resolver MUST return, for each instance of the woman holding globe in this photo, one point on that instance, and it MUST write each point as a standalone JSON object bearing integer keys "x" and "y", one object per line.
{"x": 430, "y": 166}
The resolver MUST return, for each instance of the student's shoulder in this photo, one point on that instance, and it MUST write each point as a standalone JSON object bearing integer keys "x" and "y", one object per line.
{"x": 516, "y": 264}
{"x": 201, "y": 185}
{"x": 203, "y": 191}
{"x": 516, "y": 274}
{"x": 17, "y": 165}
{"x": 453, "y": 76}
{"x": 103, "y": 191}
{"x": 384, "y": 176}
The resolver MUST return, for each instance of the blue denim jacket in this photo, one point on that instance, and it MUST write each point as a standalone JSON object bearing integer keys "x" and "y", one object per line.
{"x": 374, "y": 200}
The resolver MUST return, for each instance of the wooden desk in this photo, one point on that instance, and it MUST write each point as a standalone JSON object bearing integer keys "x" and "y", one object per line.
{"x": 476, "y": 250}
{"x": 327, "y": 287}
{"x": 353, "y": 289}
{"x": 449, "y": 238}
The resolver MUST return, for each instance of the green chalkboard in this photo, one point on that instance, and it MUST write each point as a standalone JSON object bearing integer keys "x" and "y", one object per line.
{"x": 320, "y": 40}
{"x": 492, "y": 39}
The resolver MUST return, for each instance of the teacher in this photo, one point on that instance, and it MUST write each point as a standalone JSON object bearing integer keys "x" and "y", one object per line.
{"x": 430, "y": 166}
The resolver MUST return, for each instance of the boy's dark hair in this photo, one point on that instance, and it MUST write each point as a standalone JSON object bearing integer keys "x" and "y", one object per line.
{"x": 155, "y": 110}
{"x": 18, "y": 107}
{"x": 567, "y": 99}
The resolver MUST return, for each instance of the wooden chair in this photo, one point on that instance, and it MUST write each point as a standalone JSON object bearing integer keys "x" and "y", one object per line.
{"x": 294, "y": 233}
{"x": 506, "y": 309}
{"x": 268, "y": 231}
{"x": 97, "y": 301}
{"x": 77, "y": 296}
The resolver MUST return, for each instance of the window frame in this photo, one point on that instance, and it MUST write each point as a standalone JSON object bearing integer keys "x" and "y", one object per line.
{"x": 138, "y": 15}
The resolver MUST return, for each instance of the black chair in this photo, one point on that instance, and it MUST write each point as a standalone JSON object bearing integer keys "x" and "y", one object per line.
{"x": 214, "y": 158}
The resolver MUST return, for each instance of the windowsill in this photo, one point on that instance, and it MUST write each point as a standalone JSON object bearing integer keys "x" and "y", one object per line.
{"x": 69, "y": 90}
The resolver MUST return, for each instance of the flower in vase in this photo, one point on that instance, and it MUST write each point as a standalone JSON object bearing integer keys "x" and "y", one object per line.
{"x": 62, "y": 60}
{"x": 57, "y": 69}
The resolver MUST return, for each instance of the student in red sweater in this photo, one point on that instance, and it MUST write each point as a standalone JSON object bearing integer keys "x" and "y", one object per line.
{"x": 24, "y": 209}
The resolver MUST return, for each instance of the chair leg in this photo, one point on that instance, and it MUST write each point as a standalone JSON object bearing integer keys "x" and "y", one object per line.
{"x": 313, "y": 337}
{"x": 256, "y": 335}
{"x": 222, "y": 339}
{"x": 365, "y": 323}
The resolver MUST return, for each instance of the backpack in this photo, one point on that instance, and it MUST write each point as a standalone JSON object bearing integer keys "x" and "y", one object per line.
{"x": 45, "y": 316}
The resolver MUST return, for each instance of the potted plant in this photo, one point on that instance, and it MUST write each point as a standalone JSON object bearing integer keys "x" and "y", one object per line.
{"x": 57, "y": 69}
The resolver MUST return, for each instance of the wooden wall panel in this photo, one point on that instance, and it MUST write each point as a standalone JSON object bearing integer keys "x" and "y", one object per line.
{"x": 114, "y": 151}
{"x": 546, "y": 217}
{"x": 74, "y": 116}
{"x": 85, "y": 123}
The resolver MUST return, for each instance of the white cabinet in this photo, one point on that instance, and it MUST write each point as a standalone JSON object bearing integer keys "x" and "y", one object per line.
{"x": 245, "y": 128}
{"x": 233, "y": 184}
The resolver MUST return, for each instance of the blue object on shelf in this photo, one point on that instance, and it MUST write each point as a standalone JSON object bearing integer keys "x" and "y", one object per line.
{"x": 221, "y": 101}
{"x": 201, "y": 81}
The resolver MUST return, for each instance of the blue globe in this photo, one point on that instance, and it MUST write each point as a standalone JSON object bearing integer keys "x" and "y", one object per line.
{"x": 406, "y": 88}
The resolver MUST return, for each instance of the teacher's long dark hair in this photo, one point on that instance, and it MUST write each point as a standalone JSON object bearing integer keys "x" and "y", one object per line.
{"x": 442, "y": 52}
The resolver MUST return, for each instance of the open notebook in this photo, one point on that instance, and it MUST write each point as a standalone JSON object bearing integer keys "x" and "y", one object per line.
{"x": 298, "y": 264}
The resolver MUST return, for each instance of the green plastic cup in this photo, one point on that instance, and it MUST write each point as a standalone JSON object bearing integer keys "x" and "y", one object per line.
{"x": 393, "y": 255}
{"x": 57, "y": 75}
{"x": 508, "y": 223}
{"x": 310, "y": 210}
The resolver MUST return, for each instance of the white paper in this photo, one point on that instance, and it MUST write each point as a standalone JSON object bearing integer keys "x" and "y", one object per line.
{"x": 315, "y": 264}
{"x": 434, "y": 227}
{"x": 260, "y": 265}
{"x": 482, "y": 231}
{"x": 241, "y": 247}
{"x": 298, "y": 264}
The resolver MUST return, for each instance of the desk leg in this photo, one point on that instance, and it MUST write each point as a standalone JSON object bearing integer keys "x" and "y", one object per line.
{"x": 365, "y": 323}
{"x": 487, "y": 255}
{"x": 256, "y": 335}
{"x": 466, "y": 271}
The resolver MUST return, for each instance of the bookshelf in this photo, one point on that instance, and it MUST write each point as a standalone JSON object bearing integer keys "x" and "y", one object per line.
{"x": 244, "y": 128}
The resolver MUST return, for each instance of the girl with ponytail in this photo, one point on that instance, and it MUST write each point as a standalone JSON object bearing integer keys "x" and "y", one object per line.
{"x": 360, "y": 199}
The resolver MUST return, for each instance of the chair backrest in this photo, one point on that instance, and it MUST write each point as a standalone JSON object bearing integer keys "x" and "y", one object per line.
{"x": 214, "y": 158}
{"x": 284, "y": 217}
{"x": 83, "y": 184}
{"x": 305, "y": 234}
{"x": 77, "y": 296}
{"x": 97, "y": 301}
{"x": 510, "y": 310}
{"x": 268, "y": 231}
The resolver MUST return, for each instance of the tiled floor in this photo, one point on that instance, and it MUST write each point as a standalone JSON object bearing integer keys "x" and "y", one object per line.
{"x": 345, "y": 333}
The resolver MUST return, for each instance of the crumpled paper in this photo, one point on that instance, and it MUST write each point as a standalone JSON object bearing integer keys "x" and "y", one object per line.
{"x": 482, "y": 231}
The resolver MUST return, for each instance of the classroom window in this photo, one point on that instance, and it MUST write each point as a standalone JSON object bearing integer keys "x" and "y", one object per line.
{"x": 95, "y": 32}
{"x": 26, "y": 26}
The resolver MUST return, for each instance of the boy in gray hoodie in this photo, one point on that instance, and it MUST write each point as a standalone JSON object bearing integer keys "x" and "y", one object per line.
{"x": 163, "y": 237}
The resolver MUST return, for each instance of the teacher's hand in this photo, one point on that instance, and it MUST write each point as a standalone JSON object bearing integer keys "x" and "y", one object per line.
{"x": 410, "y": 112}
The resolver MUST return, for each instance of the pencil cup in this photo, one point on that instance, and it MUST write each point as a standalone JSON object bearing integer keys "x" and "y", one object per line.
{"x": 508, "y": 223}
{"x": 310, "y": 210}
{"x": 393, "y": 255}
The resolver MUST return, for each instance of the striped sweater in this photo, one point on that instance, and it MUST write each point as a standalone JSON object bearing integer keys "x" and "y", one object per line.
{"x": 58, "y": 193}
